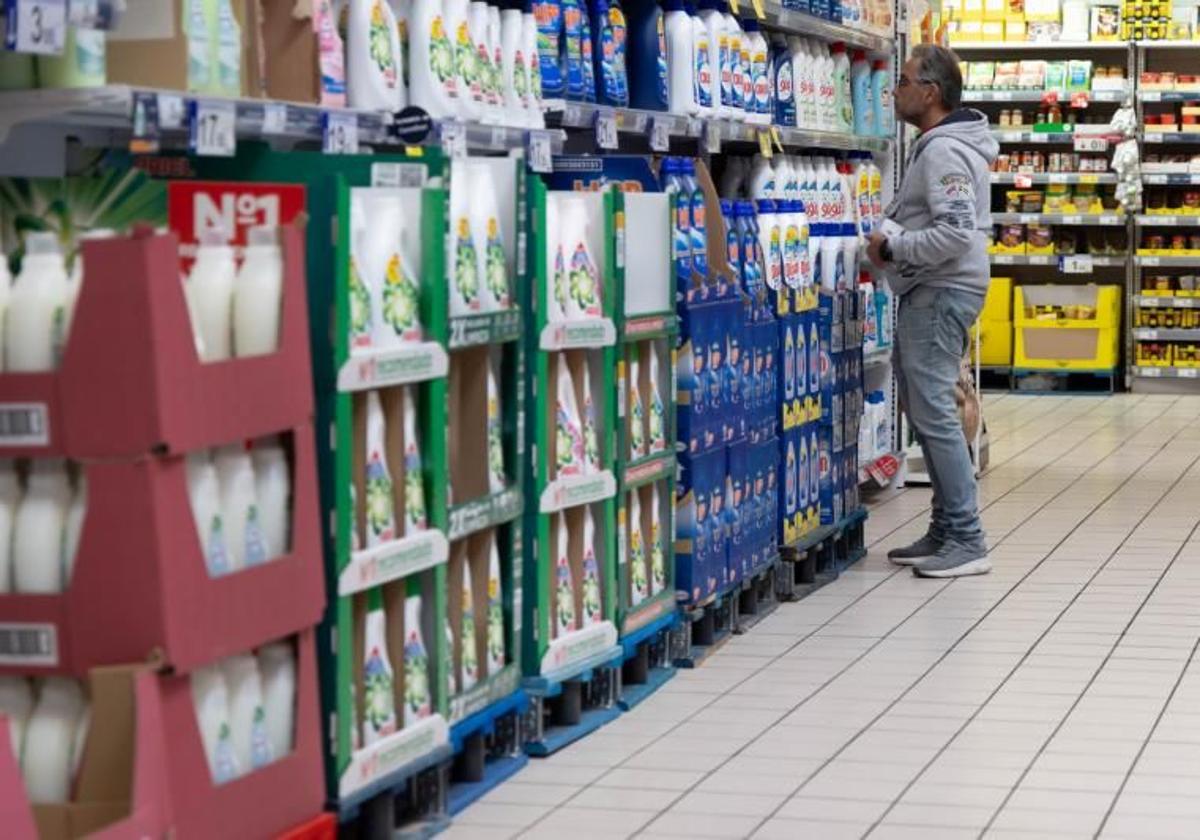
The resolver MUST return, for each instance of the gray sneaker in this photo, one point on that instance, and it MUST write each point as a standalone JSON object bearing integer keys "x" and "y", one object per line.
{"x": 910, "y": 555}
{"x": 954, "y": 560}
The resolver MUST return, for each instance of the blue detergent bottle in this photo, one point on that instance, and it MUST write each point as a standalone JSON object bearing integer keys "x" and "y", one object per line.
{"x": 587, "y": 56}
{"x": 571, "y": 50}
{"x": 699, "y": 229}
{"x": 549, "y": 17}
{"x": 609, "y": 32}
{"x": 646, "y": 55}
{"x": 681, "y": 229}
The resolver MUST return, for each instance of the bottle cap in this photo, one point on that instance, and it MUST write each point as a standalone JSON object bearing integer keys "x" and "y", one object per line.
{"x": 879, "y": 64}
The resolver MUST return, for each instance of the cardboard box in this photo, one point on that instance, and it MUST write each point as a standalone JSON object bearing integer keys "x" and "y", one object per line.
{"x": 291, "y": 60}
{"x": 149, "y": 48}
{"x": 140, "y": 589}
{"x": 130, "y": 382}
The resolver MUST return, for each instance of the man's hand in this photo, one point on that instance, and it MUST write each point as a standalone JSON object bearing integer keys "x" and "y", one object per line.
{"x": 874, "y": 249}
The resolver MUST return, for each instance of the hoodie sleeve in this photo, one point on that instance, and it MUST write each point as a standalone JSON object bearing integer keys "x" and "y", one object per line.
{"x": 949, "y": 187}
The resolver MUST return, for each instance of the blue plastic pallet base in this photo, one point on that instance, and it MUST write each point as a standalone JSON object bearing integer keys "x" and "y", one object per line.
{"x": 422, "y": 830}
{"x": 485, "y": 719}
{"x": 495, "y": 772}
{"x": 630, "y": 642}
{"x": 561, "y": 736}
{"x": 656, "y": 678}
{"x": 348, "y": 807}
{"x": 697, "y": 654}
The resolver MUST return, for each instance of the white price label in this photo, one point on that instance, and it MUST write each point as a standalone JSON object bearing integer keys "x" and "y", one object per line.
{"x": 214, "y": 128}
{"x": 1011, "y": 136}
{"x": 1150, "y": 372}
{"x": 1072, "y": 220}
{"x": 1078, "y": 264}
{"x": 1085, "y": 143}
{"x": 1023, "y": 181}
{"x": 1000, "y": 96}
{"x": 454, "y": 139}
{"x": 1147, "y": 335}
{"x": 1038, "y": 137}
{"x": 660, "y": 135}
{"x": 1003, "y": 259}
{"x": 1110, "y": 220}
{"x": 1058, "y": 178}
{"x": 171, "y": 111}
{"x": 712, "y": 137}
{"x": 606, "y": 130}
{"x": 340, "y": 134}
{"x": 499, "y": 137}
{"x": 1152, "y": 262}
{"x": 1187, "y": 373}
{"x": 541, "y": 156}
{"x": 29, "y": 644}
{"x": 275, "y": 116}
{"x": 36, "y": 26}
{"x": 1164, "y": 221}
{"x": 1029, "y": 218}
{"x": 1151, "y": 96}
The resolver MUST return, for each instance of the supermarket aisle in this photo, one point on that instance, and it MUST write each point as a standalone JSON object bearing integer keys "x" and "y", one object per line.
{"x": 1055, "y": 698}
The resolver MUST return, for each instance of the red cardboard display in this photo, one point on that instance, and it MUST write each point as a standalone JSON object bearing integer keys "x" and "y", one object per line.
{"x": 15, "y": 815}
{"x": 260, "y": 804}
{"x": 140, "y": 589}
{"x": 130, "y": 381}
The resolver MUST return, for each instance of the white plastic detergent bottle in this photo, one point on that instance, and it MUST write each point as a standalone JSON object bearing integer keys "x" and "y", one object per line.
{"x": 16, "y": 703}
{"x": 843, "y": 109}
{"x": 432, "y": 60}
{"x": 205, "y": 497}
{"x": 802, "y": 80}
{"x": 881, "y": 99}
{"x": 477, "y": 22}
{"x": 10, "y": 500}
{"x": 210, "y": 296}
{"x": 513, "y": 61}
{"x": 417, "y": 700}
{"x": 826, "y": 88}
{"x": 38, "y": 529}
{"x": 210, "y": 699}
{"x": 73, "y": 528}
{"x": 731, "y": 42}
{"x": 374, "y": 79}
{"x": 733, "y": 177}
{"x": 737, "y": 72}
{"x": 247, "y": 720}
{"x": 585, "y": 295}
{"x": 866, "y": 293}
{"x": 861, "y": 95}
{"x": 702, "y": 73}
{"x": 272, "y": 490}
{"x": 49, "y": 738}
{"x": 379, "y": 680}
{"x": 239, "y": 508}
{"x": 533, "y": 73}
{"x": 681, "y": 64}
{"x": 758, "y": 104}
{"x": 494, "y": 42}
{"x": 786, "y": 188}
{"x": 717, "y": 41}
{"x": 470, "y": 99}
{"x": 258, "y": 294}
{"x": 35, "y": 319}
{"x": 277, "y": 670}
{"x": 762, "y": 179}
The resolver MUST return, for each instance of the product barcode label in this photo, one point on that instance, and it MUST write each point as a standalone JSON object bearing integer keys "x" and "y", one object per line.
{"x": 24, "y": 424}
{"x": 29, "y": 644}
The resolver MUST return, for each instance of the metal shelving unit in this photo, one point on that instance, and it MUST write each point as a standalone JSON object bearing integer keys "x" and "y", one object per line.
{"x": 1055, "y": 177}
{"x": 1053, "y": 260}
{"x": 1110, "y": 96}
{"x": 1166, "y": 302}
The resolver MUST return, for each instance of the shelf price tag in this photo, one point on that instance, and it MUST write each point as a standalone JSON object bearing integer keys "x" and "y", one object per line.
{"x": 1187, "y": 373}
{"x": 1088, "y": 143}
{"x": 1049, "y": 97}
{"x": 454, "y": 139}
{"x": 606, "y": 130}
{"x": 759, "y": 12}
{"x": 1077, "y": 264}
{"x": 1079, "y": 99}
{"x": 998, "y": 95}
{"x": 339, "y": 135}
{"x": 660, "y": 135}
{"x": 541, "y": 156}
{"x": 1072, "y": 220}
{"x": 499, "y": 137}
{"x": 712, "y": 137}
{"x": 764, "y": 143}
{"x": 213, "y": 130}
{"x": 36, "y": 26}
{"x": 275, "y": 115}
{"x": 1023, "y": 181}
{"x": 171, "y": 110}
{"x": 777, "y": 137}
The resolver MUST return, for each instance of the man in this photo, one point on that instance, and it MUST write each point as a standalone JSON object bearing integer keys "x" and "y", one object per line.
{"x": 934, "y": 248}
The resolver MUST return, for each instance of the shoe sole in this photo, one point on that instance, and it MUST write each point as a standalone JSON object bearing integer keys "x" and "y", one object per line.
{"x": 974, "y": 567}
{"x": 908, "y": 561}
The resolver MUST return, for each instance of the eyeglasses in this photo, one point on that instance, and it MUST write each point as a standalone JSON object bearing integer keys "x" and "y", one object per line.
{"x": 906, "y": 82}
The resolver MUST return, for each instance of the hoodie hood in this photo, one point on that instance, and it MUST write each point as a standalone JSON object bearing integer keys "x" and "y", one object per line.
{"x": 968, "y": 127}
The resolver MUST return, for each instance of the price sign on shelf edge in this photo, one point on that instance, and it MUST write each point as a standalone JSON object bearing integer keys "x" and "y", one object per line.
{"x": 1090, "y": 143}
{"x": 35, "y": 26}
{"x": 213, "y": 128}
{"x": 339, "y": 134}
{"x": 275, "y": 116}
{"x": 606, "y": 130}
{"x": 541, "y": 156}
{"x": 660, "y": 135}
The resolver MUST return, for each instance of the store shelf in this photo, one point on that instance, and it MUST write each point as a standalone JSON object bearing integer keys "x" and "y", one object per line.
{"x": 741, "y": 132}
{"x": 1175, "y": 179}
{"x": 1167, "y": 262}
{"x": 1053, "y": 259}
{"x": 1163, "y": 334}
{"x": 1170, "y": 45}
{"x": 1037, "y": 46}
{"x": 1166, "y": 372}
{"x": 629, "y": 120}
{"x": 1152, "y": 220}
{"x": 1164, "y": 137}
{"x": 800, "y": 23}
{"x": 1167, "y": 302}
{"x": 1038, "y": 95}
{"x": 1168, "y": 96}
{"x": 1055, "y": 177}
{"x": 1008, "y": 135}
{"x": 1100, "y": 220}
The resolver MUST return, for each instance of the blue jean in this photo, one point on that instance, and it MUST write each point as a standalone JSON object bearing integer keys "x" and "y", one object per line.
{"x": 931, "y": 338}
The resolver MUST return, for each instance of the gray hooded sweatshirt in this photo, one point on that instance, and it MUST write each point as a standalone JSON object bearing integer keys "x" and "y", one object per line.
{"x": 944, "y": 206}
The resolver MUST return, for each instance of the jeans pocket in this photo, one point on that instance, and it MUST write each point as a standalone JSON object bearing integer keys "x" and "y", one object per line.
{"x": 951, "y": 326}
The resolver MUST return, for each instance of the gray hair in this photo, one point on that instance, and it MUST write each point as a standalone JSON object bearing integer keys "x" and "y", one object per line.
{"x": 939, "y": 66}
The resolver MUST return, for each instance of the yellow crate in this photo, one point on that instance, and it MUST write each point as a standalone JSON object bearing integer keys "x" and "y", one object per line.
{"x": 996, "y": 337}
{"x": 1067, "y": 344}
{"x": 997, "y": 306}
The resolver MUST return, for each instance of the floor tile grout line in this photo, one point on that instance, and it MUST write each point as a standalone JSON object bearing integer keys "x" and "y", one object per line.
{"x": 1000, "y": 601}
{"x": 1090, "y": 409}
{"x": 772, "y": 660}
{"x": 1046, "y": 632}
{"x": 1116, "y": 643}
{"x": 994, "y": 467}
{"x": 1149, "y": 737}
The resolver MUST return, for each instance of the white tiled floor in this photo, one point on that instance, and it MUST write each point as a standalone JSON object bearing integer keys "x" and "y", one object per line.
{"x": 1057, "y": 697}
